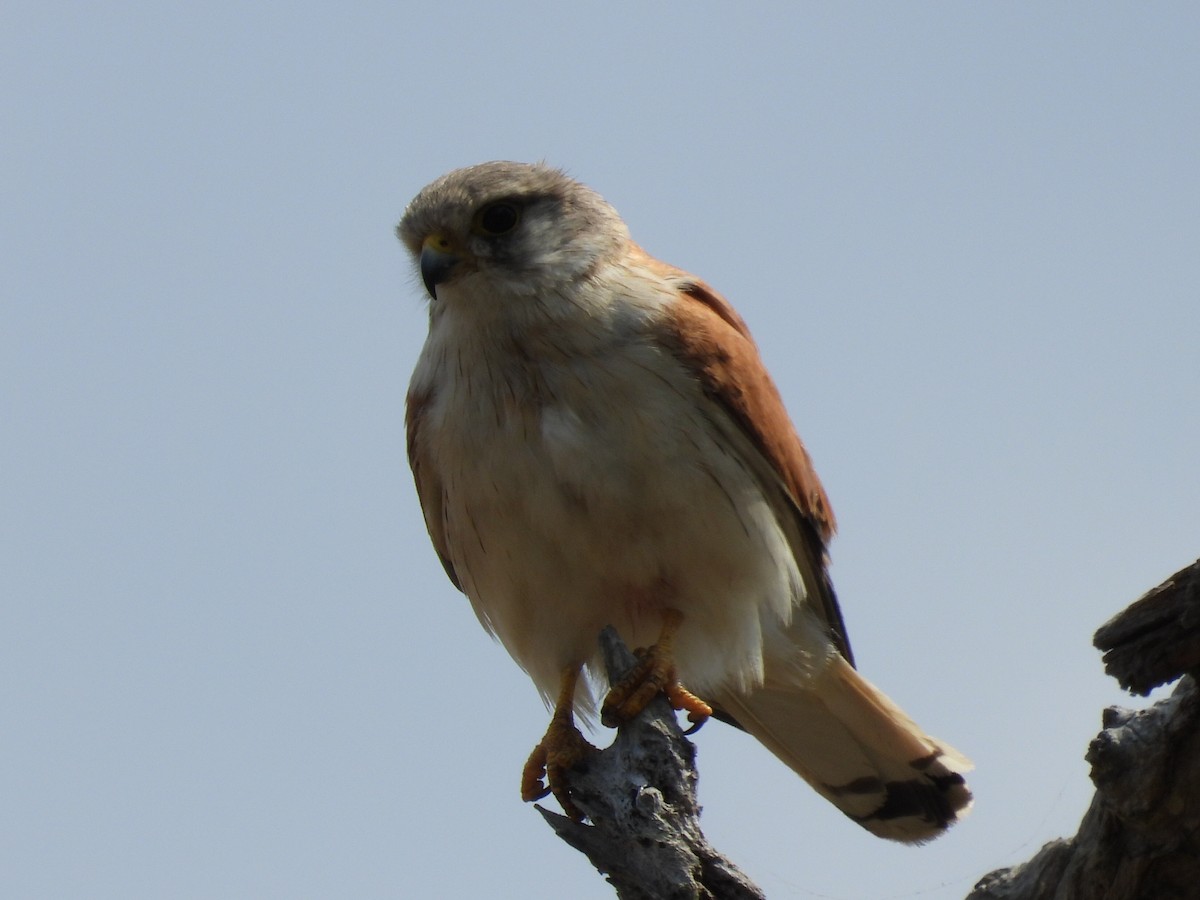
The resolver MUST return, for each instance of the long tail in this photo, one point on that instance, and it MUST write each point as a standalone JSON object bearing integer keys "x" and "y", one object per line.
{"x": 860, "y": 751}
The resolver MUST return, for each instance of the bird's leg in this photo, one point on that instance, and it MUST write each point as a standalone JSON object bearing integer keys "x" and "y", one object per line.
{"x": 562, "y": 748}
{"x": 654, "y": 672}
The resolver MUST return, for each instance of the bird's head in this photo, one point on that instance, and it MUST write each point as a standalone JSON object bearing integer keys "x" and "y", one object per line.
{"x": 507, "y": 228}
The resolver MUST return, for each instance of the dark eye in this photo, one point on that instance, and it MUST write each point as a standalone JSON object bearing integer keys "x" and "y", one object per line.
{"x": 498, "y": 218}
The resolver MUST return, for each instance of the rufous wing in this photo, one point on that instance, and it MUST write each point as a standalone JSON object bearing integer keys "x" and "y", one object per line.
{"x": 429, "y": 485}
{"x": 834, "y": 728}
{"x": 710, "y": 339}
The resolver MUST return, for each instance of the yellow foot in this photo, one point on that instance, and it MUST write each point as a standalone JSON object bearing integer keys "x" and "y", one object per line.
{"x": 653, "y": 674}
{"x": 561, "y": 749}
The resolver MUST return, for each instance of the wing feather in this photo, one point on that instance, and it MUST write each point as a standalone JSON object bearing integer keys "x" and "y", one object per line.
{"x": 707, "y": 336}
{"x": 429, "y": 486}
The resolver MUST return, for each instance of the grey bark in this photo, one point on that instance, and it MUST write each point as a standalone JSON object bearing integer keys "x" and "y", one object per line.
{"x": 1140, "y": 838}
{"x": 639, "y": 796}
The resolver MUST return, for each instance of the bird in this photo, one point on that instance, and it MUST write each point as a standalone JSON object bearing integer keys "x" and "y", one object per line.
{"x": 596, "y": 441}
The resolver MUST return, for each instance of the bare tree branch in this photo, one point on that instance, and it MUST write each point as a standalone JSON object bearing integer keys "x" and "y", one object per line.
{"x": 1157, "y": 638}
{"x": 1140, "y": 839}
{"x": 640, "y": 797}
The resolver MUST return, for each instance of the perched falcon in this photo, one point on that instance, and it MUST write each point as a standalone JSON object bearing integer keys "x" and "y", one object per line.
{"x": 596, "y": 441}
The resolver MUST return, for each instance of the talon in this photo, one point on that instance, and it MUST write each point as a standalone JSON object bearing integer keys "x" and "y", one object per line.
{"x": 532, "y": 787}
{"x": 698, "y": 712}
{"x": 654, "y": 673}
{"x": 561, "y": 749}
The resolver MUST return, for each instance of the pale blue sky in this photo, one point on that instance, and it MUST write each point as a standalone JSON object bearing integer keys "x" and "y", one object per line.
{"x": 965, "y": 235}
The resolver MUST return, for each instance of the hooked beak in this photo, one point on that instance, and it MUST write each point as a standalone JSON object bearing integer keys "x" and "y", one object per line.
{"x": 437, "y": 262}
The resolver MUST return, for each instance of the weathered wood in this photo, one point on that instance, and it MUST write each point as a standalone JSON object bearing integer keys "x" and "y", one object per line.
{"x": 1157, "y": 638}
{"x": 639, "y": 796}
{"x": 1140, "y": 838}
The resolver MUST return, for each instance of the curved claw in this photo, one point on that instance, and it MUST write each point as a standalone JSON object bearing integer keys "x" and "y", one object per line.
{"x": 698, "y": 711}
{"x": 532, "y": 785}
{"x": 654, "y": 673}
{"x": 561, "y": 749}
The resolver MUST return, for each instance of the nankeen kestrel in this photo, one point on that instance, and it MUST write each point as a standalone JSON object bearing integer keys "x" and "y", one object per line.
{"x": 595, "y": 442}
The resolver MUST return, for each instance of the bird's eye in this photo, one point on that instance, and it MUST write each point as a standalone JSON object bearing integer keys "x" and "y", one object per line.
{"x": 498, "y": 218}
